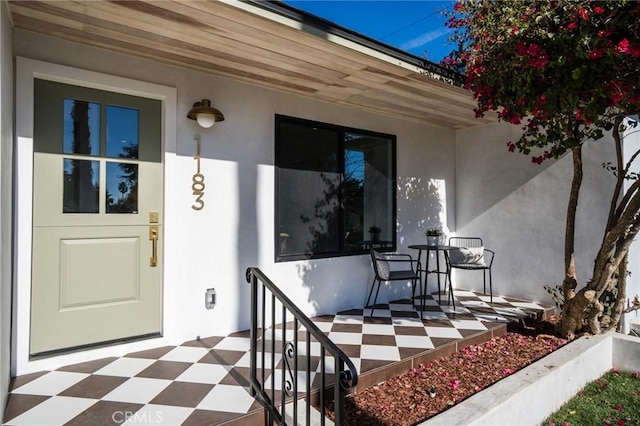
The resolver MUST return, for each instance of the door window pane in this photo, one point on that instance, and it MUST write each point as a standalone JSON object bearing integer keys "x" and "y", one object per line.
{"x": 122, "y": 132}
{"x": 81, "y": 127}
{"x": 122, "y": 187}
{"x": 81, "y": 186}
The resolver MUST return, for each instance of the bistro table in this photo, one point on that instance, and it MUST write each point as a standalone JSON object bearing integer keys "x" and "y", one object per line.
{"x": 426, "y": 271}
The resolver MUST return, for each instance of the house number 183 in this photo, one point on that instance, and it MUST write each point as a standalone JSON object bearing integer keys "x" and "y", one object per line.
{"x": 197, "y": 181}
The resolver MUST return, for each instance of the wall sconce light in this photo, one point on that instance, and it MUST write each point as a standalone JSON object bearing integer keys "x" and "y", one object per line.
{"x": 205, "y": 114}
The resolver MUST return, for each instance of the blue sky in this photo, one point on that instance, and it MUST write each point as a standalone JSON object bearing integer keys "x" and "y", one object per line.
{"x": 414, "y": 26}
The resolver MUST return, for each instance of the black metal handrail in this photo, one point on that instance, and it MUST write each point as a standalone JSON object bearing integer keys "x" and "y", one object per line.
{"x": 265, "y": 391}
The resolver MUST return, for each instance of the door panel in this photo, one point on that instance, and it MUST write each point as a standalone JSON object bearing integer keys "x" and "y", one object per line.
{"x": 97, "y": 180}
{"x": 91, "y": 285}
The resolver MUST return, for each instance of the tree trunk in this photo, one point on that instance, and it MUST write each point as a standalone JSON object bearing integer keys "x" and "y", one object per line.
{"x": 610, "y": 264}
{"x": 571, "y": 280}
{"x": 572, "y": 310}
{"x": 618, "y": 307}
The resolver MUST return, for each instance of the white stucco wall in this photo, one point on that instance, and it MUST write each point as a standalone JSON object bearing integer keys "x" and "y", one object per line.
{"x": 631, "y": 146}
{"x": 213, "y": 247}
{"x": 519, "y": 209}
{"x": 6, "y": 149}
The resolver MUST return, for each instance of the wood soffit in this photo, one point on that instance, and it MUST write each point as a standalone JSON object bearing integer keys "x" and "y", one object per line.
{"x": 253, "y": 44}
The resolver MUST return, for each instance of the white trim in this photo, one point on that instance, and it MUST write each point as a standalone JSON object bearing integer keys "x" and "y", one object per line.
{"x": 26, "y": 71}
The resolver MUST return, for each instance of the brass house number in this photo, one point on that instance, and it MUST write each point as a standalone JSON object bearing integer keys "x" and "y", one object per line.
{"x": 197, "y": 181}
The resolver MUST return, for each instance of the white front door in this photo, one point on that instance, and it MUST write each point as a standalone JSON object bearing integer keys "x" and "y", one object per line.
{"x": 97, "y": 230}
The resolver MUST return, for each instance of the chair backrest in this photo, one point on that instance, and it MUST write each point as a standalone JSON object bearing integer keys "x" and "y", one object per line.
{"x": 380, "y": 265}
{"x": 470, "y": 251}
{"x": 465, "y": 242}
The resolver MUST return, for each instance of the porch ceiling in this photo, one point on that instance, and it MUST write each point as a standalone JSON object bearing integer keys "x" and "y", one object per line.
{"x": 258, "y": 45}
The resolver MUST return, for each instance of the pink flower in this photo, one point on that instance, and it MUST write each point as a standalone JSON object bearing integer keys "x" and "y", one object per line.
{"x": 616, "y": 97}
{"x": 636, "y": 374}
{"x": 537, "y": 160}
{"x": 539, "y": 58}
{"x": 506, "y": 371}
{"x": 514, "y": 119}
{"x": 619, "y": 408}
{"x": 583, "y": 13}
{"x": 572, "y": 26}
{"x": 454, "y": 384}
{"x": 596, "y": 53}
{"x": 598, "y": 10}
{"x": 623, "y": 46}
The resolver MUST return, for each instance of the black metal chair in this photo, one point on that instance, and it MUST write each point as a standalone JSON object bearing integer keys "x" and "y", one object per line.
{"x": 382, "y": 271}
{"x": 471, "y": 255}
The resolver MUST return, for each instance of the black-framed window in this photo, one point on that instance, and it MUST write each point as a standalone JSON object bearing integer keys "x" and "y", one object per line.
{"x": 333, "y": 186}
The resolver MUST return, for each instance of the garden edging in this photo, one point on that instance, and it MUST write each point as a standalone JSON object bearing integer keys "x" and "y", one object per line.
{"x": 533, "y": 393}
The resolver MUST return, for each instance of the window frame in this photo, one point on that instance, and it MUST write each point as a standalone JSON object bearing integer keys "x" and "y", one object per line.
{"x": 342, "y": 131}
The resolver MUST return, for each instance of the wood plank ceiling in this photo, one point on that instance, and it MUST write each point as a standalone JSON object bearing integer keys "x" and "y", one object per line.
{"x": 258, "y": 44}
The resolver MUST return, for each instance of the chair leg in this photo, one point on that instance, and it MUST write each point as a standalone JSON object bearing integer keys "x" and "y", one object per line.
{"x": 424, "y": 296}
{"x": 484, "y": 281}
{"x": 453, "y": 302}
{"x": 415, "y": 283}
{"x": 370, "y": 292}
{"x": 413, "y": 292}
{"x": 490, "y": 287}
{"x": 375, "y": 299}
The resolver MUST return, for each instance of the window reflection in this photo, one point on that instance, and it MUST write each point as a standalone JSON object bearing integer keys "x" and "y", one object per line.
{"x": 122, "y": 132}
{"x": 353, "y": 196}
{"x": 333, "y": 185}
{"x": 81, "y": 186}
{"x": 309, "y": 191}
{"x": 368, "y": 191}
{"x": 81, "y": 127}
{"x": 122, "y": 187}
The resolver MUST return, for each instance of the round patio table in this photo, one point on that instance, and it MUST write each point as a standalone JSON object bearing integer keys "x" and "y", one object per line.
{"x": 428, "y": 249}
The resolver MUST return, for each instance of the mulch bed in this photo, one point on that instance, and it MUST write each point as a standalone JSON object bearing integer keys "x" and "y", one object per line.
{"x": 431, "y": 388}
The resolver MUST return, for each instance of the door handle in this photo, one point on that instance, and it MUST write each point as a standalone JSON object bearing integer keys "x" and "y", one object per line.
{"x": 153, "y": 236}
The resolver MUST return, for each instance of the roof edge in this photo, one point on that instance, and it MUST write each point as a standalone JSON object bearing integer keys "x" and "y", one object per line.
{"x": 432, "y": 69}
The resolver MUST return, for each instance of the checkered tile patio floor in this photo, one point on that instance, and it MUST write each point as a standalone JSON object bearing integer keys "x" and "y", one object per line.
{"x": 205, "y": 382}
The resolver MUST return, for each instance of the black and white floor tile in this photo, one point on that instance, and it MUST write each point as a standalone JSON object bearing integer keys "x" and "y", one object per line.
{"x": 206, "y": 381}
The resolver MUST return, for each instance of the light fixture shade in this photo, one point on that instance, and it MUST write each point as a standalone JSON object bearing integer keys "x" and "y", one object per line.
{"x": 205, "y": 120}
{"x": 205, "y": 114}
